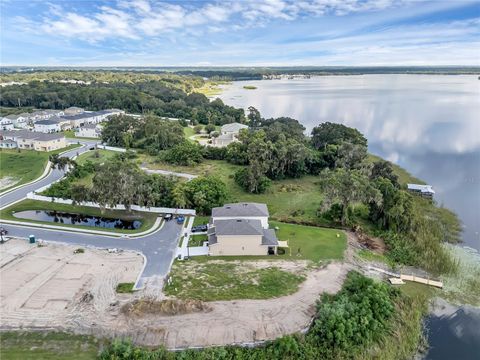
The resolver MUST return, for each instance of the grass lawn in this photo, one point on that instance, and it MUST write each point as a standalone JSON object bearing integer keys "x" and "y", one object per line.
{"x": 125, "y": 288}
{"x": 211, "y": 281}
{"x": 96, "y": 156}
{"x": 26, "y": 165}
{"x": 148, "y": 219}
{"x": 188, "y": 131}
{"x": 201, "y": 220}
{"x": 70, "y": 134}
{"x": 310, "y": 242}
{"x": 372, "y": 256}
{"x": 197, "y": 240}
{"x": 47, "y": 346}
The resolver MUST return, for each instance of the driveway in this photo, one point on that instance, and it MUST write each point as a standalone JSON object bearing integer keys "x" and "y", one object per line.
{"x": 158, "y": 248}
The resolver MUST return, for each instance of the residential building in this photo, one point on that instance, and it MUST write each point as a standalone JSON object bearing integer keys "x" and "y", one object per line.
{"x": 91, "y": 117}
{"x": 8, "y": 144}
{"x": 47, "y": 126}
{"x": 422, "y": 190}
{"x": 89, "y": 130}
{"x": 6, "y": 123}
{"x": 31, "y": 140}
{"x": 18, "y": 121}
{"x": 228, "y": 134}
{"x": 241, "y": 229}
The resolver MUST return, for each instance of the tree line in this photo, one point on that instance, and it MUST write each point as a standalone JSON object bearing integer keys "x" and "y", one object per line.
{"x": 150, "y": 97}
{"x": 119, "y": 181}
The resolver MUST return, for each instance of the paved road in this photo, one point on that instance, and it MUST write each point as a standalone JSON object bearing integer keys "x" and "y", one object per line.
{"x": 54, "y": 175}
{"x": 158, "y": 247}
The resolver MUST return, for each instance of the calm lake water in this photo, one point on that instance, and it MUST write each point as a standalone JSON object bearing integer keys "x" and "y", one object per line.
{"x": 430, "y": 125}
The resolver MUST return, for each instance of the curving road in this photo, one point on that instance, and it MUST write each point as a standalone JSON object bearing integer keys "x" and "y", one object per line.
{"x": 158, "y": 247}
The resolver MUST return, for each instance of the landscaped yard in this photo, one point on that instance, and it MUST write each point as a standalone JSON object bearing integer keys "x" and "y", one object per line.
{"x": 147, "y": 219}
{"x": 47, "y": 346}
{"x": 26, "y": 165}
{"x": 218, "y": 280}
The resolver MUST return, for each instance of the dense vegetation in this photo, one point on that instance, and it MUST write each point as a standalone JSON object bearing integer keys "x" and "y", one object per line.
{"x": 120, "y": 181}
{"x": 350, "y": 325}
{"x": 157, "y": 97}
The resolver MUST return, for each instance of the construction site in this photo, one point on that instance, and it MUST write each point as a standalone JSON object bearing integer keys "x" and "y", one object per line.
{"x": 61, "y": 287}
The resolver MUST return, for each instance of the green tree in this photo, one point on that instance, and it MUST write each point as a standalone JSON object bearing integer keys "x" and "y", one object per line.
{"x": 347, "y": 187}
{"x": 335, "y": 134}
{"x": 201, "y": 194}
{"x": 186, "y": 154}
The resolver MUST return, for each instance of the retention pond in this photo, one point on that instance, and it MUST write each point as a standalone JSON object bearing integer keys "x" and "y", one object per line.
{"x": 78, "y": 219}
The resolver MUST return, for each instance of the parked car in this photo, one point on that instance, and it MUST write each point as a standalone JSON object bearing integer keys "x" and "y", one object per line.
{"x": 3, "y": 231}
{"x": 168, "y": 217}
{"x": 180, "y": 219}
{"x": 200, "y": 228}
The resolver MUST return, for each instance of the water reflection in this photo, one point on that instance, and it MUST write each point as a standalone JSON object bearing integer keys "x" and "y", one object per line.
{"x": 78, "y": 219}
{"x": 427, "y": 124}
{"x": 453, "y": 332}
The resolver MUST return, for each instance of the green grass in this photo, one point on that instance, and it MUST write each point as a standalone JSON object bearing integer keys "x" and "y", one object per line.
{"x": 290, "y": 200}
{"x": 188, "y": 131}
{"x": 310, "y": 242}
{"x": 197, "y": 240}
{"x": 125, "y": 288}
{"x": 249, "y": 87}
{"x": 26, "y": 165}
{"x": 201, "y": 220}
{"x": 96, "y": 156}
{"x": 372, "y": 256}
{"x": 47, "y": 346}
{"x": 209, "y": 281}
{"x": 404, "y": 177}
{"x": 148, "y": 219}
{"x": 70, "y": 134}
{"x": 211, "y": 88}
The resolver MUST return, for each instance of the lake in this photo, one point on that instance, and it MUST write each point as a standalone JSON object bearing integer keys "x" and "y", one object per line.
{"x": 429, "y": 125}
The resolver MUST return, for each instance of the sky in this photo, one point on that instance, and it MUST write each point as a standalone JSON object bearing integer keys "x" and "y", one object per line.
{"x": 240, "y": 33}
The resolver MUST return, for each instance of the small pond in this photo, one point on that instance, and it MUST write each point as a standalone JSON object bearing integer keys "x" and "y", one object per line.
{"x": 78, "y": 219}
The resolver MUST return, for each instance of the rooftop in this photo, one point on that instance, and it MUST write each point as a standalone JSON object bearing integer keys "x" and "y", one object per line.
{"x": 422, "y": 188}
{"x": 238, "y": 227}
{"x": 47, "y": 122}
{"x": 233, "y": 127}
{"x": 25, "y": 134}
{"x": 240, "y": 209}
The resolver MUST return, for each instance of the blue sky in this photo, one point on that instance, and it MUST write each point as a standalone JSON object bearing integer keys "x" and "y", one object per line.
{"x": 240, "y": 33}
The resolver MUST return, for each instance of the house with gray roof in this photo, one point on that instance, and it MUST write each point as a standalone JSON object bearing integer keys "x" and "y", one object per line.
{"x": 241, "y": 229}
{"x": 228, "y": 134}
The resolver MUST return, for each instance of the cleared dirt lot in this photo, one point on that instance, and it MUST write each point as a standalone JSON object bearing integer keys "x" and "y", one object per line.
{"x": 42, "y": 286}
{"x": 51, "y": 287}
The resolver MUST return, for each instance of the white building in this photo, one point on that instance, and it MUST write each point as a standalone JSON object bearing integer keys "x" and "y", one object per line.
{"x": 228, "y": 134}
{"x": 6, "y": 123}
{"x": 89, "y": 131}
{"x": 73, "y": 110}
{"x": 422, "y": 190}
{"x": 47, "y": 126}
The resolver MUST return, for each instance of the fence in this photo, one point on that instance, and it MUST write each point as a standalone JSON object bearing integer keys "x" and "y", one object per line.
{"x": 160, "y": 210}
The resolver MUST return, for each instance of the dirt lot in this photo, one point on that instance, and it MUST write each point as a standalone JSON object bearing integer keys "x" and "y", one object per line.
{"x": 50, "y": 287}
{"x": 42, "y": 286}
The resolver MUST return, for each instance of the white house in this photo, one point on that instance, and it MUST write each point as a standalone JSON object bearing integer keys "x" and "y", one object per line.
{"x": 47, "y": 126}
{"x": 73, "y": 110}
{"x": 89, "y": 130}
{"x": 228, "y": 134}
{"x": 422, "y": 190}
{"x": 6, "y": 123}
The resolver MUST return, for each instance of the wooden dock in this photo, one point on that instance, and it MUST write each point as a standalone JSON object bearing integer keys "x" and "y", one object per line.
{"x": 413, "y": 278}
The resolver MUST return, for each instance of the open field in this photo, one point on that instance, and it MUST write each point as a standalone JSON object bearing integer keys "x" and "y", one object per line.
{"x": 147, "y": 219}
{"x": 227, "y": 280}
{"x": 49, "y": 286}
{"x": 47, "y": 346}
{"x": 26, "y": 165}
